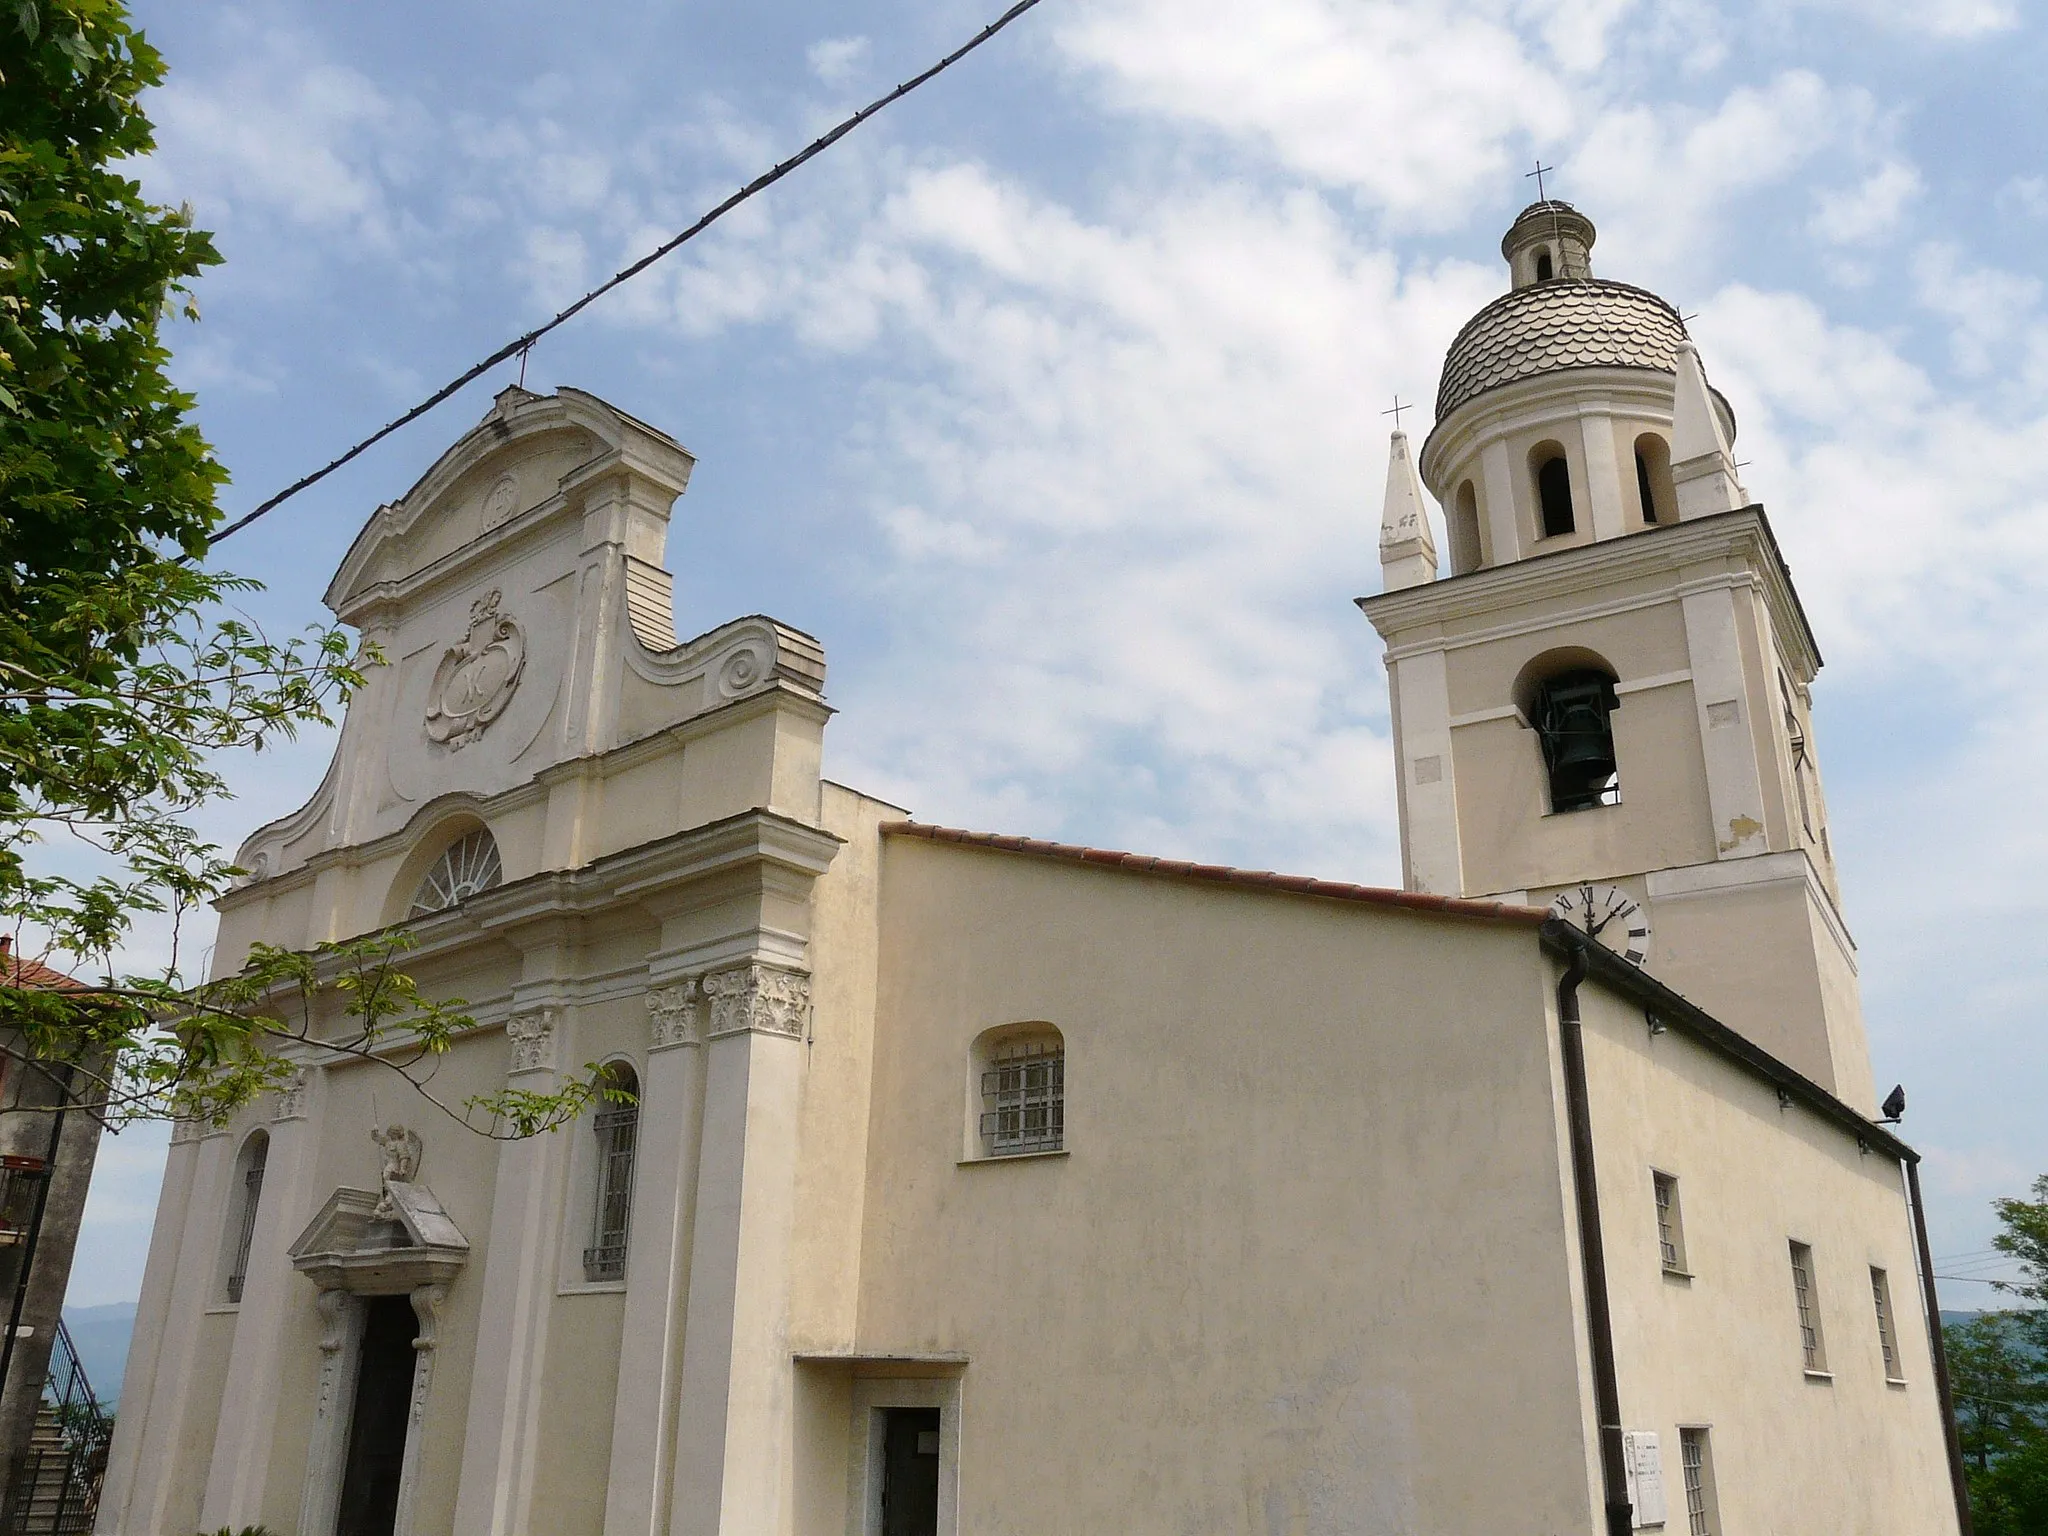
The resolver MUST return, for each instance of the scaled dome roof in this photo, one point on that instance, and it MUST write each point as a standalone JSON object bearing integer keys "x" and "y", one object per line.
{"x": 1551, "y": 326}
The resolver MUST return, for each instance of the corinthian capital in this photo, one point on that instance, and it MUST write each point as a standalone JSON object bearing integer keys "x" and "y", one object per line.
{"x": 672, "y": 1015}
{"x": 763, "y": 998}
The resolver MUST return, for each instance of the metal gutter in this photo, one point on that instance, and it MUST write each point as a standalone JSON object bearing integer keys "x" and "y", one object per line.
{"x": 1592, "y": 1248}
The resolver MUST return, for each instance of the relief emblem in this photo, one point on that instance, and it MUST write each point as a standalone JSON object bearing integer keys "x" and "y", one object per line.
{"x": 475, "y": 680}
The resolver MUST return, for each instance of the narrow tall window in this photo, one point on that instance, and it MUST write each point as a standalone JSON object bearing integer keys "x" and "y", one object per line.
{"x": 466, "y": 866}
{"x": 1887, "y": 1339}
{"x": 255, "y": 1153}
{"x": 1655, "y": 495}
{"x": 1544, "y": 270}
{"x": 1464, "y": 527}
{"x": 1697, "y": 1463}
{"x": 618, "y": 1136}
{"x": 1812, "y": 1341}
{"x": 1554, "y": 492}
{"x": 1024, "y": 1098}
{"x": 1670, "y": 1224}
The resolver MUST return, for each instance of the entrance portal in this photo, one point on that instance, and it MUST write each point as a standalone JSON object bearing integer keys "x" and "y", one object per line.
{"x": 376, "y": 1435}
{"x": 910, "y": 1472}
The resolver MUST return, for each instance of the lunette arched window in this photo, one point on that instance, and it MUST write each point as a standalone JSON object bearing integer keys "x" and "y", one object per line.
{"x": 1023, "y": 1071}
{"x": 617, "y": 1124}
{"x": 466, "y": 866}
{"x": 1554, "y": 490}
{"x": 1573, "y": 720}
{"x": 248, "y": 1196}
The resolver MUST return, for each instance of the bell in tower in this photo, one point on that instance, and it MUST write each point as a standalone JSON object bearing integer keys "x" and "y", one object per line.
{"x": 1608, "y": 689}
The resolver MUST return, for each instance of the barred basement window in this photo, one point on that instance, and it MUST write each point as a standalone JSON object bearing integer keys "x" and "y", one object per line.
{"x": 1670, "y": 1224}
{"x": 1697, "y": 1462}
{"x": 466, "y": 866}
{"x": 1812, "y": 1343}
{"x": 618, "y": 1135}
{"x": 1024, "y": 1096}
{"x": 255, "y": 1153}
{"x": 1887, "y": 1340}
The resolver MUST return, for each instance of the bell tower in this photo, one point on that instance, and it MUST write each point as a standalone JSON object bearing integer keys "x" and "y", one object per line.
{"x": 1603, "y": 704}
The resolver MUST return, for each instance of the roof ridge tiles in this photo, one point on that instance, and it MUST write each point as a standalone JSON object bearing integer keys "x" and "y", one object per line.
{"x": 1222, "y": 874}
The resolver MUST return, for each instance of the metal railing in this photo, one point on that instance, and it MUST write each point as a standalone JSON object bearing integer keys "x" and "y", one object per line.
{"x": 54, "y": 1486}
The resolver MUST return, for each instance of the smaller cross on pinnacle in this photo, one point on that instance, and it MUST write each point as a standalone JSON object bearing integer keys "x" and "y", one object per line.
{"x": 1397, "y": 410}
{"x": 1539, "y": 173}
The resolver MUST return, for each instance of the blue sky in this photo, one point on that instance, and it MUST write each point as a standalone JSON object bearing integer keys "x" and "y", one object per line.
{"x": 1049, "y": 401}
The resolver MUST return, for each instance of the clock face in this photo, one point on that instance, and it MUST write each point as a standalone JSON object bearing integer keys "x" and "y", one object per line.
{"x": 1608, "y": 914}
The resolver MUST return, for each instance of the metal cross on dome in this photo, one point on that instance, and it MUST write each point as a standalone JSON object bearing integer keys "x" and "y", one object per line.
{"x": 1539, "y": 173}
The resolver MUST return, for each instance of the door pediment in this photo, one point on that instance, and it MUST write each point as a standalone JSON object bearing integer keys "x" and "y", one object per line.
{"x": 381, "y": 1244}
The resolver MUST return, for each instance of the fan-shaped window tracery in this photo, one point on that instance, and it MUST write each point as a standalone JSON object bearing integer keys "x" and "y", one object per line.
{"x": 466, "y": 866}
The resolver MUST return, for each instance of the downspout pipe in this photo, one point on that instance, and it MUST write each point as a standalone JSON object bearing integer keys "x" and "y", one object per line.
{"x": 1960, "y": 1483}
{"x": 1592, "y": 1251}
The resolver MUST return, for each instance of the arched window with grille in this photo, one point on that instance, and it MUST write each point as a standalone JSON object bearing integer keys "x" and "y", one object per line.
{"x": 617, "y": 1124}
{"x": 466, "y": 866}
{"x": 247, "y": 1193}
{"x": 1021, "y": 1083}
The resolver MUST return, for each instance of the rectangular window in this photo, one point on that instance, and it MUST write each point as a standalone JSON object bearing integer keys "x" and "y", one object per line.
{"x": 1697, "y": 1462}
{"x": 1887, "y": 1340}
{"x": 1811, "y": 1340}
{"x": 1670, "y": 1224}
{"x": 1024, "y": 1099}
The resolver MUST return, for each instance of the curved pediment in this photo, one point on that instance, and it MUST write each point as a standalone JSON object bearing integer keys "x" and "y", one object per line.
{"x": 530, "y": 463}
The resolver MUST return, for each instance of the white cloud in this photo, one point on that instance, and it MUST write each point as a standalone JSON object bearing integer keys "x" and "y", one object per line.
{"x": 1868, "y": 210}
{"x": 837, "y": 60}
{"x": 1988, "y": 310}
{"x": 281, "y": 134}
{"x": 1417, "y": 109}
{"x": 1948, "y": 19}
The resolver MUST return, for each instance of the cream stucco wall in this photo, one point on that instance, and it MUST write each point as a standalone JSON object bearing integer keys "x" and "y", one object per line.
{"x": 1850, "y": 1454}
{"x": 1306, "y": 1248}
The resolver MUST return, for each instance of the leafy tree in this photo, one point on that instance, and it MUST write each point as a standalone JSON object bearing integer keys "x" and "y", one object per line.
{"x": 1999, "y": 1365}
{"x": 123, "y": 676}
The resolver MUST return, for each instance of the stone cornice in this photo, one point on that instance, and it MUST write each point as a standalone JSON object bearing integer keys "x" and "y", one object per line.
{"x": 778, "y": 695}
{"x": 1742, "y": 535}
{"x": 765, "y": 840}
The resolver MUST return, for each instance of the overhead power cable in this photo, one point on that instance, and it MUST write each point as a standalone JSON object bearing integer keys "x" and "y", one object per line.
{"x": 524, "y": 343}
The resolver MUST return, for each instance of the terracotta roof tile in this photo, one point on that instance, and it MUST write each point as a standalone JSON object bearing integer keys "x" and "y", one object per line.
{"x": 35, "y": 976}
{"x": 1222, "y": 874}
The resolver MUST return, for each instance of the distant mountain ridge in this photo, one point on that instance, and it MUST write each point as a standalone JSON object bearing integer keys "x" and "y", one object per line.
{"x": 101, "y": 1336}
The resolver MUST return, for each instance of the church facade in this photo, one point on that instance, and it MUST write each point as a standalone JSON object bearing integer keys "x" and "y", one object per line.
{"x": 974, "y": 1183}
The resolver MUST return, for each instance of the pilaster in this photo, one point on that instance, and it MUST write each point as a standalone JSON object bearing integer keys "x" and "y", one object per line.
{"x": 734, "y": 1429}
{"x": 1607, "y": 506}
{"x": 501, "y": 1438}
{"x": 1721, "y": 695}
{"x": 248, "y": 1414}
{"x": 160, "y": 1457}
{"x": 1429, "y": 779}
{"x": 1503, "y": 524}
{"x": 637, "y": 1493}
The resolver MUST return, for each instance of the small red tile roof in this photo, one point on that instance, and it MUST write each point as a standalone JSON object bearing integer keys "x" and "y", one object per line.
{"x": 1222, "y": 874}
{"x": 34, "y": 975}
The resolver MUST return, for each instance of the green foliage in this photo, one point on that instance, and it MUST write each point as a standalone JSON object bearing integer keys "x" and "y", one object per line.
{"x": 1998, "y": 1364}
{"x": 121, "y": 678}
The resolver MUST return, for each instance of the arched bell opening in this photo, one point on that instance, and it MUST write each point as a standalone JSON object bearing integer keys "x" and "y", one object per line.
{"x": 1552, "y": 473}
{"x": 1656, "y": 495}
{"x": 1568, "y": 698}
{"x": 1464, "y": 530}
